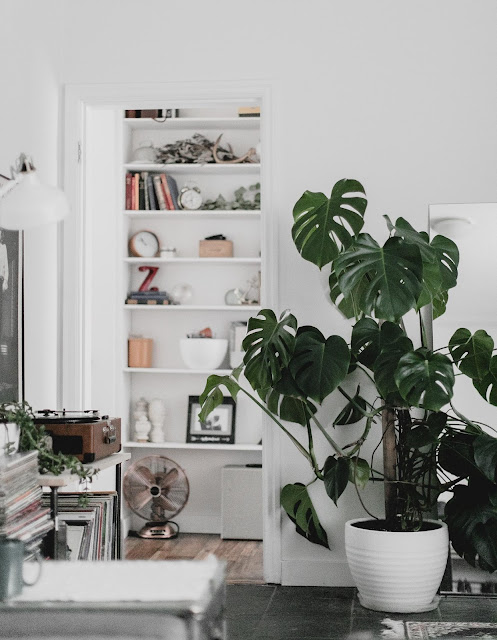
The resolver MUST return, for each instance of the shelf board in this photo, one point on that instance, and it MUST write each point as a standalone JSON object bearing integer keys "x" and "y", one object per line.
{"x": 189, "y": 445}
{"x": 227, "y": 169}
{"x": 199, "y": 213}
{"x": 193, "y": 307}
{"x": 194, "y": 123}
{"x": 66, "y": 477}
{"x": 151, "y": 370}
{"x": 189, "y": 260}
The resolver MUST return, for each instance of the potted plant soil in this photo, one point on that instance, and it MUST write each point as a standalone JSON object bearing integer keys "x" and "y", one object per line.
{"x": 428, "y": 446}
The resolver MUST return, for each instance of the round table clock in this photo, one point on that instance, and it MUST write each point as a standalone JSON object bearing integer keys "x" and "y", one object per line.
{"x": 190, "y": 197}
{"x": 144, "y": 244}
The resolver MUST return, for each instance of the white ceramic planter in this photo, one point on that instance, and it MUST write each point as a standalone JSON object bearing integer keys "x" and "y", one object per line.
{"x": 397, "y": 572}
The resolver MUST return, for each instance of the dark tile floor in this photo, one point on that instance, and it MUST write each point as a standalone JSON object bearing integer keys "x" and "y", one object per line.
{"x": 269, "y": 612}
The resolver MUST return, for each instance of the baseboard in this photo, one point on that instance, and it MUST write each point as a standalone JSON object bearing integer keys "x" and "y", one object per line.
{"x": 187, "y": 524}
{"x": 315, "y": 573}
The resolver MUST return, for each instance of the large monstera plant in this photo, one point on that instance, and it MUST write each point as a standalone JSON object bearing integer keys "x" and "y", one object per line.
{"x": 428, "y": 446}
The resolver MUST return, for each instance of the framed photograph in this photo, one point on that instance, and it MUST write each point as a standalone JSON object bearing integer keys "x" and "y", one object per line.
{"x": 11, "y": 316}
{"x": 219, "y": 427}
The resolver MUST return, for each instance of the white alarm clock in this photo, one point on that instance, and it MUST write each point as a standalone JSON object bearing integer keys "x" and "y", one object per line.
{"x": 190, "y": 197}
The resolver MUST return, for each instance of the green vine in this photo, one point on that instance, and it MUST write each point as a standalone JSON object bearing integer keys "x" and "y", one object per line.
{"x": 34, "y": 437}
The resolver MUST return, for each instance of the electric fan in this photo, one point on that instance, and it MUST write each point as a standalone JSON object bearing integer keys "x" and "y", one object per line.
{"x": 156, "y": 489}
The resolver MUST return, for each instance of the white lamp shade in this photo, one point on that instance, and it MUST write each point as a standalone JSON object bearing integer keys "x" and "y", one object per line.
{"x": 31, "y": 204}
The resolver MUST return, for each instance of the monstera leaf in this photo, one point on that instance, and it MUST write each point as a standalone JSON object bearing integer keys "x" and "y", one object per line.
{"x": 319, "y": 364}
{"x": 365, "y": 341}
{"x": 287, "y": 401}
{"x": 440, "y": 261}
{"x": 212, "y": 396}
{"x": 421, "y": 239}
{"x": 456, "y": 453}
{"x": 471, "y": 516}
{"x": 336, "y": 476}
{"x": 348, "y": 305}
{"x": 353, "y": 411}
{"x": 487, "y": 386}
{"x": 296, "y": 502}
{"x": 425, "y": 379}
{"x": 394, "y": 344}
{"x": 268, "y": 346}
{"x": 472, "y": 353}
{"x": 485, "y": 449}
{"x": 323, "y": 226}
{"x": 428, "y": 432}
{"x": 439, "y": 276}
{"x": 393, "y": 274}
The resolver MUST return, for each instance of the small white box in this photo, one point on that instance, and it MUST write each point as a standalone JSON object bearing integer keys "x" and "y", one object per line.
{"x": 241, "y": 507}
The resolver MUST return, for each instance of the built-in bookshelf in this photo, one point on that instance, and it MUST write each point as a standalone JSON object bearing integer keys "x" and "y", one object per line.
{"x": 210, "y": 282}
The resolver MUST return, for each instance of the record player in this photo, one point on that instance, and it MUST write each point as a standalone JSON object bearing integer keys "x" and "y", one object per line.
{"x": 85, "y": 434}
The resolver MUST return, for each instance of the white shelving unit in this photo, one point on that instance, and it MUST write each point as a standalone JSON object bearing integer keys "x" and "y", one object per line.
{"x": 210, "y": 279}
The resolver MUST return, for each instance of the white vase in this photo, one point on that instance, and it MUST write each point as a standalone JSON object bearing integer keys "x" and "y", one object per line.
{"x": 397, "y": 572}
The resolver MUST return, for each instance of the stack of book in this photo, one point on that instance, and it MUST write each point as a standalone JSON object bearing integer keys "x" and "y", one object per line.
{"x": 22, "y": 515}
{"x": 90, "y": 524}
{"x": 149, "y": 297}
{"x": 147, "y": 191}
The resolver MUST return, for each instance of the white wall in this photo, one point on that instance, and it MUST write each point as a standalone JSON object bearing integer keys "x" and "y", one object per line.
{"x": 402, "y": 96}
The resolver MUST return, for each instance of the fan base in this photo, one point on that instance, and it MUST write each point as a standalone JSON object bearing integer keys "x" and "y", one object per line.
{"x": 159, "y": 530}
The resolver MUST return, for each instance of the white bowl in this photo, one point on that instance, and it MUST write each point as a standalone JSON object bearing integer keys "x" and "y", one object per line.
{"x": 203, "y": 353}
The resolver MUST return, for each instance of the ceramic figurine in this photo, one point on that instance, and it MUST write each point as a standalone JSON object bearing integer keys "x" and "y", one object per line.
{"x": 156, "y": 413}
{"x": 142, "y": 429}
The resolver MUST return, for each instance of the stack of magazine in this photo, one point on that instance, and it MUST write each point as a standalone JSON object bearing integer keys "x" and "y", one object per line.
{"x": 89, "y": 522}
{"x": 22, "y": 515}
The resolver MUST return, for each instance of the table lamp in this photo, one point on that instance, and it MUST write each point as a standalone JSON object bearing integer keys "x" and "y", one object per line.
{"x": 25, "y": 202}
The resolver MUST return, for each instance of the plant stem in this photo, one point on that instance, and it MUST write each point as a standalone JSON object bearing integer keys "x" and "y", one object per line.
{"x": 328, "y": 437}
{"x": 389, "y": 464}
{"x": 314, "y": 464}
{"x": 302, "y": 449}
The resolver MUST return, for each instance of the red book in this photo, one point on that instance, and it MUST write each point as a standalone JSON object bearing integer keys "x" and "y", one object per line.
{"x": 128, "y": 191}
{"x": 167, "y": 193}
{"x": 136, "y": 192}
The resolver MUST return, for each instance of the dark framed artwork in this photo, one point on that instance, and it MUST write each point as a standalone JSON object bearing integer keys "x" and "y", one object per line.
{"x": 11, "y": 316}
{"x": 219, "y": 428}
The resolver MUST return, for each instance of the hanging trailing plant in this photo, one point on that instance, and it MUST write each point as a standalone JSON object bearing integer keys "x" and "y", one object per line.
{"x": 33, "y": 437}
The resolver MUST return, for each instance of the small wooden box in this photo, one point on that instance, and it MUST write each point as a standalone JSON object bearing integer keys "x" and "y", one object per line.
{"x": 215, "y": 249}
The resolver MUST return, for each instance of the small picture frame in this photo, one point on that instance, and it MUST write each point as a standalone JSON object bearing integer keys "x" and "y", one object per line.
{"x": 219, "y": 427}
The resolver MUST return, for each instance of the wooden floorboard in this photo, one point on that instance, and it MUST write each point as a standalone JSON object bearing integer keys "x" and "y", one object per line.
{"x": 243, "y": 557}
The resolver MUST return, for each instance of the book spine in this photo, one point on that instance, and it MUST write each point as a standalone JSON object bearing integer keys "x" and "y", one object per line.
{"x": 161, "y": 200}
{"x": 167, "y": 194}
{"x": 151, "y": 194}
{"x": 141, "y": 193}
{"x": 136, "y": 187}
{"x": 145, "y": 190}
{"x": 173, "y": 190}
{"x": 129, "y": 187}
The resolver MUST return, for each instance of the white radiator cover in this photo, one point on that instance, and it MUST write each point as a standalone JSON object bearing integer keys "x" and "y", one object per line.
{"x": 241, "y": 508}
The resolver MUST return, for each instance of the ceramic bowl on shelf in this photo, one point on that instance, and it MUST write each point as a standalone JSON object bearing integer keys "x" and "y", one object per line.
{"x": 203, "y": 353}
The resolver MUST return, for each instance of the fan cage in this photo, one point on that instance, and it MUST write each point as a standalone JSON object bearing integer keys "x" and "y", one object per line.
{"x": 156, "y": 488}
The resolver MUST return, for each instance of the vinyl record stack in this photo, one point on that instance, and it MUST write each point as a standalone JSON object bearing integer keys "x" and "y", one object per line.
{"x": 22, "y": 515}
{"x": 90, "y": 524}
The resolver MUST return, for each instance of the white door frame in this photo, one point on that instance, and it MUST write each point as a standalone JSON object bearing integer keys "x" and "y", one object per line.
{"x": 76, "y": 342}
